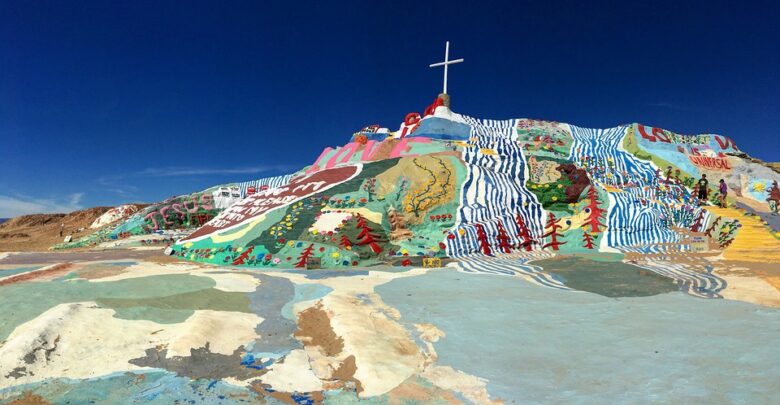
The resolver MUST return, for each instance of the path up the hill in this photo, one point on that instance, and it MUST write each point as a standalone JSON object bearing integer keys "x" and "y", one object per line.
{"x": 754, "y": 242}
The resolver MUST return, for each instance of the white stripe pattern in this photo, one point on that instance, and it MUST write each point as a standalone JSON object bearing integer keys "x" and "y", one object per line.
{"x": 515, "y": 265}
{"x": 633, "y": 218}
{"x": 271, "y": 182}
{"x": 494, "y": 188}
{"x": 703, "y": 285}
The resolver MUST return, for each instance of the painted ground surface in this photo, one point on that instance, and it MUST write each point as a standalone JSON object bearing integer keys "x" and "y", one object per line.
{"x": 138, "y": 327}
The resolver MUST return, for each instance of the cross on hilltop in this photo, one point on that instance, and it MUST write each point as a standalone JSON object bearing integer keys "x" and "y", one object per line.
{"x": 446, "y": 64}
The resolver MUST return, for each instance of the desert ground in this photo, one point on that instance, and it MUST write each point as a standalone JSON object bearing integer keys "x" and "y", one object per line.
{"x": 128, "y": 325}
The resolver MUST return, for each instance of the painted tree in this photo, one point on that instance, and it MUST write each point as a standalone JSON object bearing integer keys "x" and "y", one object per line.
{"x": 727, "y": 233}
{"x": 370, "y": 187}
{"x": 697, "y": 223}
{"x": 503, "y": 238}
{"x": 398, "y": 228}
{"x": 587, "y": 239}
{"x": 593, "y": 211}
{"x": 367, "y": 235}
{"x": 243, "y": 256}
{"x": 345, "y": 243}
{"x": 305, "y": 256}
{"x": 483, "y": 241}
{"x": 552, "y": 225}
{"x": 437, "y": 189}
{"x": 525, "y": 236}
{"x": 712, "y": 227}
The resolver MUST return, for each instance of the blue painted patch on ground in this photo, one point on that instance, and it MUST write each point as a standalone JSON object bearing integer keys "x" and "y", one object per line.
{"x": 304, "y": 292}
{"x": 540, "y": 345}
{"x": 321, "y": 274}
{"x": 17, "y": 270}
{"x": 121, "y": 264}
{"x": 128, "y": 388}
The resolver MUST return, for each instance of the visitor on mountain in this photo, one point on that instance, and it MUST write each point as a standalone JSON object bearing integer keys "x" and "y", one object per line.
{"x": 774, "y": 198}
{"x": 724, "y": 190}
{"x": 703, "y": 184}
{"x": 62, "y": 228}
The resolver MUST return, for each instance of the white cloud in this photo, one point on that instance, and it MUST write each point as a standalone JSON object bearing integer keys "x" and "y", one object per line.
{"x": 13, "y": 206}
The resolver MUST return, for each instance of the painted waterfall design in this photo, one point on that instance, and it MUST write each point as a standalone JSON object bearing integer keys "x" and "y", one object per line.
{"x": 633, "y": 218}
{"x": 494, "y": 188}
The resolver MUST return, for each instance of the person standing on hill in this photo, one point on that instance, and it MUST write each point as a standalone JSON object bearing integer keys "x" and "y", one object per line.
{"x": 703, "y": 184}
{"x": 724, "y": 190}
{"x": 62, "y": 228}
{"x": 774, "y": 198}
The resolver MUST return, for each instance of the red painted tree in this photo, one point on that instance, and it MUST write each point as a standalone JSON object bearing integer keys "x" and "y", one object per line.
{"x": 587, "y": 239}
{"x": 482, "y": 238}
{"x": 503, "y": 238}
{"x": 552, "y": 224}
{"x": 305, "y": 256}
{"x": 345, "y": 243}
{"x": 241, "y": 258}
{"x": 527, "y": 242}
{"x": 366, "y": 235}
{"x": 697, "y": 225}
{"x": 712, "y": 227}
{"x": 593, "y": 211}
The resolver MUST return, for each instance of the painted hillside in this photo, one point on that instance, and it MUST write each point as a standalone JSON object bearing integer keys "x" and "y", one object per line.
{"x": 178, "y": 213}
{"x": 451, "y": 186}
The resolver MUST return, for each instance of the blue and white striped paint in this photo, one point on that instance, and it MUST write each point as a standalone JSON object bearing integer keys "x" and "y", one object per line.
{"x": 271, "y": 182}
{"x": 703, "y": 285}
{"x": 514, "y": 265}
{"x": 494, "y": 188}
{"x": 629, "y": 221}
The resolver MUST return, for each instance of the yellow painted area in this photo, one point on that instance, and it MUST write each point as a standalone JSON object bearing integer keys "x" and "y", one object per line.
{"x": 611, "y": 189}
{"x": 228, "y": 236}
{"x": 754, "y": 241}
{"x": 774, "y": 281}
{"x": 487, "y": 151}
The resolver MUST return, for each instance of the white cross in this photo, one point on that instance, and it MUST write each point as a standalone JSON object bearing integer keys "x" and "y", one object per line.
{"x": 446, "y": 63}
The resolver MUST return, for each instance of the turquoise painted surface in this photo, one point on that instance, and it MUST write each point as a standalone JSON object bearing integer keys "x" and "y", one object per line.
{"x": 155, "y": 388}
{"x": 17, "y": 270}
{"x": 32, "y": 299}
{"x": 304, "y": 292}
{"x": 539, "y": 345}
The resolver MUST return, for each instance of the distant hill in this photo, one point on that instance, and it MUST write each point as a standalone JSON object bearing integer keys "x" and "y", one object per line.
{"x": 3, "y": 220}
{"x": 41, "y": 231}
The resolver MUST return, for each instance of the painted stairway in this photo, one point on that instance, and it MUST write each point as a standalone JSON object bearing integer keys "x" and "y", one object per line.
{"x": 751, "y": 243}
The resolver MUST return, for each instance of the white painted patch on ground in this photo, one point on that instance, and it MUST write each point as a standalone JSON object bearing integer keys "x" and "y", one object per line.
{"x": 473, "y": 388}
{"x": 293, "y": 375}
{"x": 82, "y": 340}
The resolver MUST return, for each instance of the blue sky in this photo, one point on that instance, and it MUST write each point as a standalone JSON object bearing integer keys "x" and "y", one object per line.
{"x": 109, "y": 102}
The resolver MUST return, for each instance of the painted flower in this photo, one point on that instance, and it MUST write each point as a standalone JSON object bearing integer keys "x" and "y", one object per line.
{"x": 277, "y": 260}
